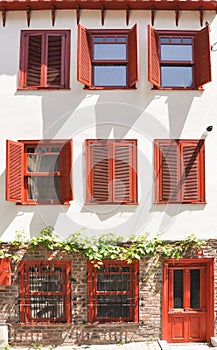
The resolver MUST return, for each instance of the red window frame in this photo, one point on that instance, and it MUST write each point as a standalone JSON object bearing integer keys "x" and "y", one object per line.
{"x": 17, "y": 172}
{"x": 86, "y": 62}
{"x": 179, "y": 171}
{"x": 28, "y": 270}
{"x": 132, "y": 294}
{"x": 44, "y": 59}
{"x": 111, "y": 167}
{"x": 201, "y": 64}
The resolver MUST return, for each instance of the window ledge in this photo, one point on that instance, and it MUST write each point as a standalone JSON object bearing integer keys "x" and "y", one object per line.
{"x": 109, "y": 88}
{"x": 177, "y": 89}
{"x": 183, "y": 203}
{"x": 108, "y": 203}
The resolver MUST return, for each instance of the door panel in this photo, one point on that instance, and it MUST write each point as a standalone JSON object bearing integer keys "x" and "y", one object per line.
{"x": 187, "y": 300}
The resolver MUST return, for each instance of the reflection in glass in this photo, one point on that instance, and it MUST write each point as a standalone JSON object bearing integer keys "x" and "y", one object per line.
{"x": 176, "y": 76}
{"x": 109, "y": 75}
{"x": 110, "y": 52}
{"x": 176, "y": 52}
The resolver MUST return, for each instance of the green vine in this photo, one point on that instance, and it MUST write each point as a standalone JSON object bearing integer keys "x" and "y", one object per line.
{"x": 108, "y": 246}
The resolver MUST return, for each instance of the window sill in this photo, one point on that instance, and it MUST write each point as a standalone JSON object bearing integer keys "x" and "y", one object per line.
{"x": 42, "y": 88}
{"x": 183, "y": 203}
{"x": 177, "y": 88}
{"x": 42, "y": 203}
{"x": 109, "y": 203}
{"x": 109, "y": 88}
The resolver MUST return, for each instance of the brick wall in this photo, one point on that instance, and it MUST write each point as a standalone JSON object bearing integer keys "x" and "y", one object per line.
{"x": 80, "y": 332}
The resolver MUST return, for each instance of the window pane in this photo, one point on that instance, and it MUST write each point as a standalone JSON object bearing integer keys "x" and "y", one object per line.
{"x": 176, "y": 52}
{"x": 176, "y": 76}
{"x": 51, "y": 307}
{"x": 43, "y": 163}
{"x": 195, "y": 289}
{"x": 44, "y": 188}
{"x": 109, "y": 52}
{"x": 109, "y": 75}
{"x": 178, "y": 289}
{"x": 114, "y": 283}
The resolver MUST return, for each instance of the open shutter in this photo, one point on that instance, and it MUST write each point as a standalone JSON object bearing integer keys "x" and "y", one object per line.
{"x": 153, "y": 58}
{"x": 55, "y": 60}
{"x": 98, "y": 174}
{"x": 166, "y": 170}
{"x": 124, "y": 172}
{"x": 133, "y": 56}
{"x": 84, "y": 69}
{"x": 5, "y": 272}
{"x": 192, "y": 177}
{"x": 202, "y": 57}
{"x": 14, "y": 171}
{"x": 34, "y": 61}
{"x": 66, "y": 172}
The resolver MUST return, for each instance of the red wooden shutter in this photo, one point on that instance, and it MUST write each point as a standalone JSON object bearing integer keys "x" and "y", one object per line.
{"x": 5, "y": 272}
{"x": 66, "y": 172}
{"x": 98, "y": 172}
{"x": 14, "y": 171}
{"x": 202, "y": 57}
{"x": 192, "y": 175}
{"x": 133, "y": 56}
{"x": 55, "y": 60}
{"x": 124, "y": 172}
{"x": 84, "y": 69}
{"x": 34, "y": 62}
{"x": 153, "y": 58}
{"x": 167, "y": 170}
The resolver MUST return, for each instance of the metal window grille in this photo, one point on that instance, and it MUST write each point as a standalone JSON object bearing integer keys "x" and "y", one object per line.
{"x": 113, "y": 292}
{"x": 45, "y": 291}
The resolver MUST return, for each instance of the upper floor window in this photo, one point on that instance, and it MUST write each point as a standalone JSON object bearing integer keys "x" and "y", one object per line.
{"x": 111, "y": 171}
{"x": 179, "y": 59}
{"x": 113, "y": 291}
{"x": 179, "y": 171}
{"x": 45, "y": 291}
{"x": 44, "y": 59}
{"x": 39, "y": 172}
{"x": 107, "y": 58}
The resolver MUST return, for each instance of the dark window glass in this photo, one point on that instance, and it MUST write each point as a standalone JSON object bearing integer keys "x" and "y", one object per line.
{"x": 178, "y": 289}
{"x": 195, "y": 289}
{"x": 44, "y": 188}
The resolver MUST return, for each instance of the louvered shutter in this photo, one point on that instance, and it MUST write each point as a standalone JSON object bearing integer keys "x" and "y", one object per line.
{"x": 154, "y": 75}
{"x": 14, "y": 171}
{"x": 84, "y": 69}
{"x": 192, "y": 175}
{"x": 55, "y": 60}
{"x": 202, "y": 57}
{"x": 133, "y": 56}
{"x": 124, "y": 172}
{"x": 167, "y": 171}
{"x": 66, "y": 172}
{"x": 98, "y": 175}
{"x": 34, "y": 61}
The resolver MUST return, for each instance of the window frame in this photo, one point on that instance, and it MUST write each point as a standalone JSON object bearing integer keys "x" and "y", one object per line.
{"x": 17, "y": 173}
{"x": 43, "y": 75}
{"x": 133, "y": 292}
{"x": 26, "y": 293}
{"x": 86, "y": 61}
{"x": 201, "y": 61}
{"x": 184, "y": 187}
{"x": 111, "y": 166}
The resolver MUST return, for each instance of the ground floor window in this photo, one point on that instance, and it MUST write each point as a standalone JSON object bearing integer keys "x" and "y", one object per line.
{"x": 45, "y": 291}
{"x": 113, "y": 291}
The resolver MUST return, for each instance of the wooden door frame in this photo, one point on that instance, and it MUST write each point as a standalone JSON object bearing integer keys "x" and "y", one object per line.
{"x": 185, "y": 262}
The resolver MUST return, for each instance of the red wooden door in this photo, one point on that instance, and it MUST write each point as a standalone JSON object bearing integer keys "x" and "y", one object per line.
{"x": 187, "y": 301}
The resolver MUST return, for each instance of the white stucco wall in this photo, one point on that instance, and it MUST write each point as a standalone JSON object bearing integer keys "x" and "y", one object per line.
{"x": 141, "y": 114}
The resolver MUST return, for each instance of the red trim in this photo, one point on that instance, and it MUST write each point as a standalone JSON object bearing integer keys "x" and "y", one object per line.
{"x": 108, "y": 4}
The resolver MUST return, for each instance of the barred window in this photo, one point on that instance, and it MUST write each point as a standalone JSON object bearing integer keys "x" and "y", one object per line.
{"x": 113, "y": 291}
{"x": 45, "y": 291}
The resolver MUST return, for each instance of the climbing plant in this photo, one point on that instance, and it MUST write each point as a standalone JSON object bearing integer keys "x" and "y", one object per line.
{"x": 108, "y": 246}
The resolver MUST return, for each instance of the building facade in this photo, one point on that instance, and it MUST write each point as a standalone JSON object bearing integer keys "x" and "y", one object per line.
{"x": 107, "y": 136}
